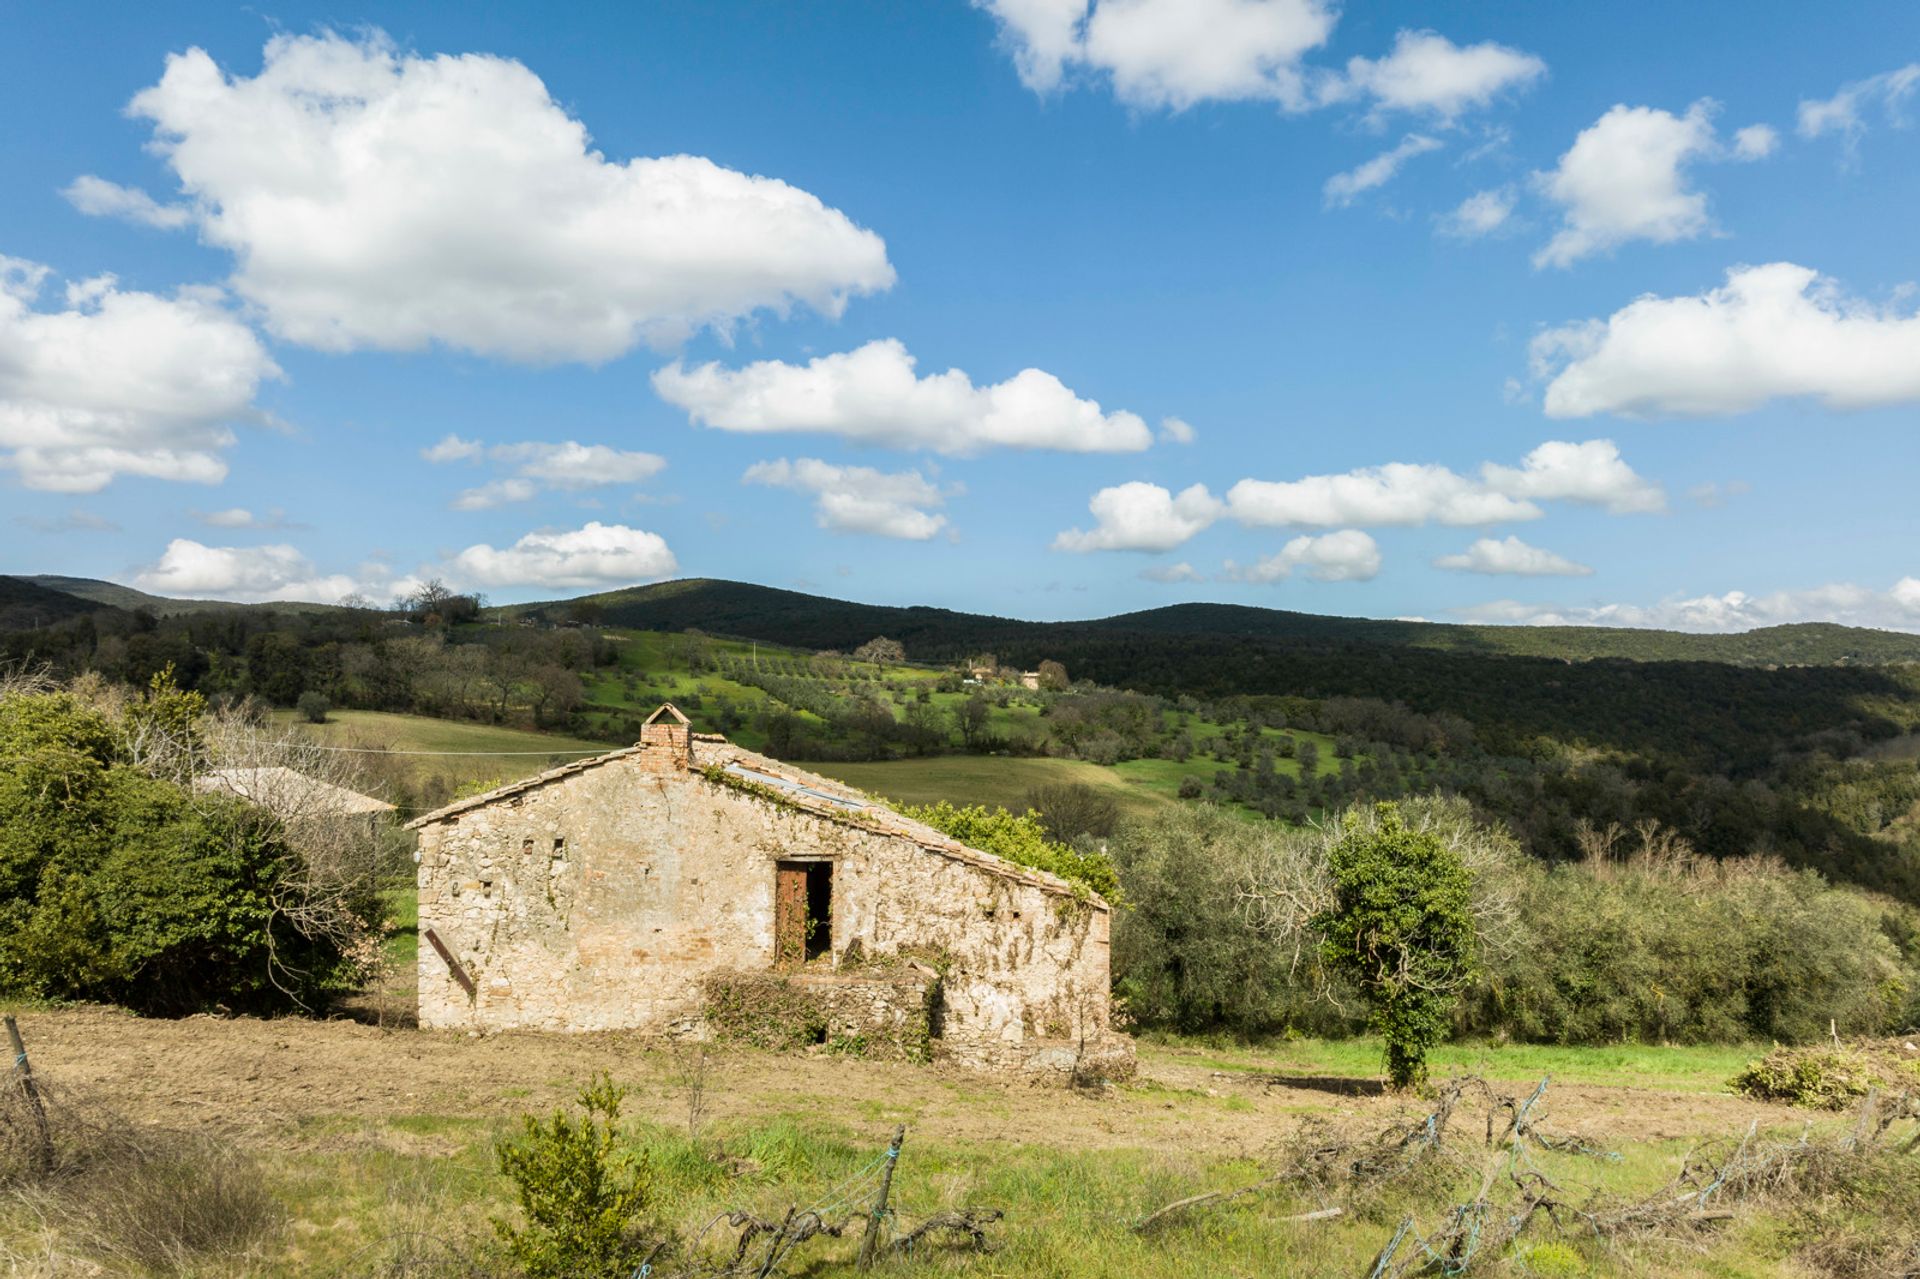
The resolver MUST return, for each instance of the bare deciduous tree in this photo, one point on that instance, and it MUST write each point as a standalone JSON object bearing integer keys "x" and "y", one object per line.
{"x": 311, "y": 792}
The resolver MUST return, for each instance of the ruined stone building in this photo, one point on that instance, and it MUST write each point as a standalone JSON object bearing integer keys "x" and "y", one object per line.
{"x": 686, "y": 886}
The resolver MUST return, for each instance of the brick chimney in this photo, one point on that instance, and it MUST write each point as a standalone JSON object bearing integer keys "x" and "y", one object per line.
{"x": 670, "y": 731}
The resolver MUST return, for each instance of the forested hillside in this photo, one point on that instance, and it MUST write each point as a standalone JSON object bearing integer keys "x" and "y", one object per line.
{"x": 25, "y": 605}
{"x": 811, "y": 621}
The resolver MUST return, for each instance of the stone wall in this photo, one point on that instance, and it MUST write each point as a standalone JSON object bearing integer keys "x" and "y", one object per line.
{"x": 884, "y": 1013}
{"x": 604, "y": 898}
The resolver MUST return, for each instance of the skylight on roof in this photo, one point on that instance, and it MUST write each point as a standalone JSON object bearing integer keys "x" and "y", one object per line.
{"x": 792, "y": 787}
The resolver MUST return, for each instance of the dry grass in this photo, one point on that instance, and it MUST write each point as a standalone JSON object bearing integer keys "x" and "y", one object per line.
{"x": 150, "y": 1201}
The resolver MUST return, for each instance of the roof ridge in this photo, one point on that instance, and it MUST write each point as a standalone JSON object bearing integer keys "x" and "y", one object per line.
{"x": 894, "y": 822}
{"x": 523, "y": 784}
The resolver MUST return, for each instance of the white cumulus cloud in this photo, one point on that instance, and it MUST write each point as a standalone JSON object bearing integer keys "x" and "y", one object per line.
{"x": 1755, "y": 142}
{"x": 1042, "y": 36}
{"x": 1343, "y": 188}
{"x": 1348, "y": 555}
{"x": 571, "y": 465}
{"x": 451, "y": 448}
{"x": 1168, "y": 53}
{"x": 1626, "y": 178}
{"x": 1512, "y": 556}
{"x": 1170, "y": 574}
{"x": 533, "y": 465}
{"x": 1176, "y": 54}
{"x": 1399, "y": 493}
{"x": 1147, "y": 517}
{"x": 859, "y": 499}
{"x": 120, "y": 383}
{"x": 374, "y": 198}
{"x": 1138, "y": 516}
{"x": 594, "y": 555}
{"x": 1426, "y": 72}
{"x": 1480, "y": 214}
{"x": 1177, "y": 430}
{"x": 1591, "y": 472}
{"x": 190, "y": 569}
{"x": 872, "y": 395}
{"x": 1773, "y": 331}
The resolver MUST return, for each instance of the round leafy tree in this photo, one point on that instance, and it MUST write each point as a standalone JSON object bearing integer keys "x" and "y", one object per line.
{"x": 1401, "y": 927}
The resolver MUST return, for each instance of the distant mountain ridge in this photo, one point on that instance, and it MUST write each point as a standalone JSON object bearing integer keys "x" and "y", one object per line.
{"x": 103, "y": 594}
{"x": 26, "y": 605}
{"x": 774, "y": 615}
{"x": 801, "y": 620}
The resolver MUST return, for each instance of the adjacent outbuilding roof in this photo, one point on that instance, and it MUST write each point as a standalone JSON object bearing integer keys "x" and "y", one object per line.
{"x": 288, "y": 791}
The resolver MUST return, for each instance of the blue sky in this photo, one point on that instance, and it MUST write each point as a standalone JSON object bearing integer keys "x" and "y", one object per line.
{"x": 1626, "y": 335}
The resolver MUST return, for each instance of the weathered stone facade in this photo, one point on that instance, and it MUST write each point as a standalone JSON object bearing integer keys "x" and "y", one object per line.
{"x": 873, "y": 1010}
{"x": 605, "y": 894}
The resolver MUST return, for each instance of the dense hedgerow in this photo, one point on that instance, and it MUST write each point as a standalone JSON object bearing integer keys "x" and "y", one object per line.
{"x": 120, "y": 886}
{"x": 1656, "y": 945}
{"x": 1685, "y": 949}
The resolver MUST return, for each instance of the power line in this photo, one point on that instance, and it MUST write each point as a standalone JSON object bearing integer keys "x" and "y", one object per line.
{"x": 374, "y": 750}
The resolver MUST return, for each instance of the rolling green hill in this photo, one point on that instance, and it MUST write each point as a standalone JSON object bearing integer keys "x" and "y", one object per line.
{"x": 26, "y": 603}
{"x": 815, "y": 622}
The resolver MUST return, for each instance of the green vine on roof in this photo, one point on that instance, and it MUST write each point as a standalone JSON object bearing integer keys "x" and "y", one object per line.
{"x": 1021, "y": 839}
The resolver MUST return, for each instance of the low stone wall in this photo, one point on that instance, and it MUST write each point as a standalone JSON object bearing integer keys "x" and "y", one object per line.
{"x": 883, "y": 1014}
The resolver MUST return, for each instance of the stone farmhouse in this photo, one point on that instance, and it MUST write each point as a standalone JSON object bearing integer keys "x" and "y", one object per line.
{"x": 685, "y": 887}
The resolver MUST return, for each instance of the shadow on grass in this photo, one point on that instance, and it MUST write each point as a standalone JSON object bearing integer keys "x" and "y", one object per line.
{"x": 1338, "y": 1085}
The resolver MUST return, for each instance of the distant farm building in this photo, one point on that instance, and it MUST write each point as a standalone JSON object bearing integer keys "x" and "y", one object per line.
{"x": 688, "y": 887}
{"x": 294, "y": 796}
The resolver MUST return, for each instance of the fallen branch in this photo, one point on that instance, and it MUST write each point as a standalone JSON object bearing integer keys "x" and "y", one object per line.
{"x": 1213, "y": 1198}
{"x": 968, "y": 1223}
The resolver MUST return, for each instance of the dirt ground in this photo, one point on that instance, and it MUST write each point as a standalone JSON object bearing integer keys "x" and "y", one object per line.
{"x": 292, "y": 1083}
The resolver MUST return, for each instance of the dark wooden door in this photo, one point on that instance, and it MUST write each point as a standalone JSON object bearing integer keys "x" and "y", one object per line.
{"x": 789, "y": 913}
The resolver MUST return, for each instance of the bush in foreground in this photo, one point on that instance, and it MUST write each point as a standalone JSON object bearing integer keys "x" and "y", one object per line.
{"x": 583, "y": 1197}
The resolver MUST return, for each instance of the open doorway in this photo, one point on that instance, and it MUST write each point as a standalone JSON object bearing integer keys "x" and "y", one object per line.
{"x": 802, "y": 912}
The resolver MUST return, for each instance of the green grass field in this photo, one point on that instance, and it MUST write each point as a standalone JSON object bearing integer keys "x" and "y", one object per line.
{"x": 424, "y": 733}
{"x": 480, "y": 752}
{"x": 1668, "y": 1067}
